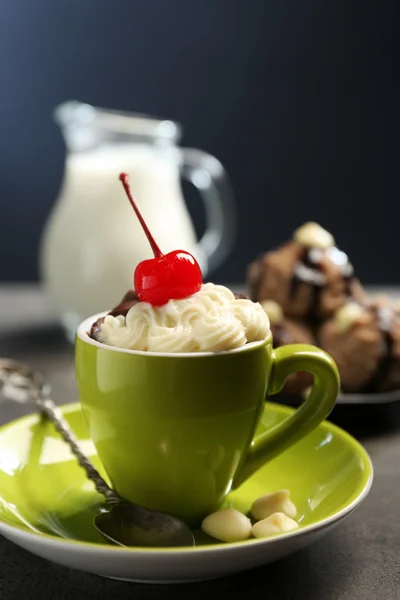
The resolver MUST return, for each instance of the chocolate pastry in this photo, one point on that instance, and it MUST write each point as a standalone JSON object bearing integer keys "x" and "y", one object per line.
{"x": 129, "y": 299}
{"x": 364, "y": 341}
{"x": 308, "y": 276}
{"x": 387, "y": 376}
{"x": 287, "y": 331}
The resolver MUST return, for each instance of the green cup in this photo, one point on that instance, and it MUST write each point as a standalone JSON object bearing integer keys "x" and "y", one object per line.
{"x": 175, "y": 431}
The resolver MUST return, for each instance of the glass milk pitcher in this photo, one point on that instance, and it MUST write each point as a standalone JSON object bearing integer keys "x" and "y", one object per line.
{"x": 92, "y": 241}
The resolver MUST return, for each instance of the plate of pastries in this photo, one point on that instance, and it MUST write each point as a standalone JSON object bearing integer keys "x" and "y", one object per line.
{"x": 312, "y": 295}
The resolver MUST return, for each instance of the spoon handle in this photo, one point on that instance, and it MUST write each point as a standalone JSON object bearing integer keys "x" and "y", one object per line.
{"x": 20, "y": 383}
{"x": 53, "y": 413}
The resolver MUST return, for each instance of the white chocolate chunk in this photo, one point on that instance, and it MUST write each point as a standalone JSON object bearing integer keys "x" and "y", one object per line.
{"x": 273, "y": 310}
{"x": 348, "y": 315}
{"x": 276, "y": 523}
{"x": 277, "y": 502}
{"x": 313, "y": 235}
{"x": 227, "y": 525}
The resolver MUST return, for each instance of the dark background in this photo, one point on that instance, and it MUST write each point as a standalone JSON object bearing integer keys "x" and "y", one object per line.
{"x": 298, "y": 99}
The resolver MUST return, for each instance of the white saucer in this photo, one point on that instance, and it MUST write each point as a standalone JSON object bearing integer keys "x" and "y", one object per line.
{"x": 47, "y": 506}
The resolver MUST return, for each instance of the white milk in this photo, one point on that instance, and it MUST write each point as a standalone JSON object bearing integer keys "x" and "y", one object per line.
{"x": 93, "y": 240}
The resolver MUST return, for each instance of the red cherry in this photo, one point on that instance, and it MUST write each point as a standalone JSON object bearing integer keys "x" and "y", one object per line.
{"x": 172, "y": 276}
{"x": 165, "y": 277}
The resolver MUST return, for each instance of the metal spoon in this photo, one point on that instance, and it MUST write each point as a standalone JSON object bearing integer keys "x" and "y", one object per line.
{"x": 124, "y": 523}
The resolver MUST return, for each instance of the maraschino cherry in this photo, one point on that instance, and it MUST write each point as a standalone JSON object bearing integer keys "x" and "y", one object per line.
{"x": 165, "y": 277}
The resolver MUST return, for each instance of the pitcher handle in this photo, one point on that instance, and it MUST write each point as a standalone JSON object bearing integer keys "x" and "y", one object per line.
{"x": 209, "y": 177}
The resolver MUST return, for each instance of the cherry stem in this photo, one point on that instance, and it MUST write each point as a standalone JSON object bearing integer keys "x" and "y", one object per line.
{"x": 125, "y": 182}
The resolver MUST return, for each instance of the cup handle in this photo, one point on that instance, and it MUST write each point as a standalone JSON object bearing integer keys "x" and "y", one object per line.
{"x": 315, "y": 408}
{"x": 208, "y": 175}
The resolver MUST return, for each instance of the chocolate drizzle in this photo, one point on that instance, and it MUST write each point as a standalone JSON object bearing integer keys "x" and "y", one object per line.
{"x": 309, "y": 271}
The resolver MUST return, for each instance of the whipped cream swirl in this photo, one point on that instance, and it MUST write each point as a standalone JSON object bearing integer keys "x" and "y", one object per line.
{"x": 211, "y": 320}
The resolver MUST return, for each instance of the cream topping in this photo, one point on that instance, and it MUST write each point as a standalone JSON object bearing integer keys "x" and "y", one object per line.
{"x": 211, "y": 320}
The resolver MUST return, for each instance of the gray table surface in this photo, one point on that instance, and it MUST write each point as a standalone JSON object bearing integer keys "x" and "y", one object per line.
{"x": 360, "y": 560}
